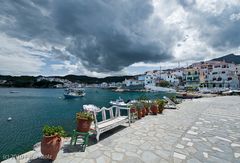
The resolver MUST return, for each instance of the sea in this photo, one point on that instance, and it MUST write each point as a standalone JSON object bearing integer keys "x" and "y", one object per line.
{"x": 31, "y": 109}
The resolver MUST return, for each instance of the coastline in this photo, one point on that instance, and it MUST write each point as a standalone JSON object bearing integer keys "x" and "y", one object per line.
{"x": 177, "y": 136}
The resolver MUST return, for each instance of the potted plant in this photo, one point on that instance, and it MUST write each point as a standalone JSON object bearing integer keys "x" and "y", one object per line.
{"x": 154, "y": 108}
{"x": 84, "y": 121}
{"x": 160, "y": 104}
{"x": 146, "y": 106}
{"x": 139, "y": 108}
{"x": 143, "y": 111}
{"x": 51, "y": 141}
{"x": 133, "y": 109}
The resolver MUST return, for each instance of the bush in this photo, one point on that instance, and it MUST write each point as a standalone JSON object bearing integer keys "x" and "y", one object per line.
{"x": 53, "y": 130}
{"x": 163, "y": 83}
{"x": 85, "y": 115}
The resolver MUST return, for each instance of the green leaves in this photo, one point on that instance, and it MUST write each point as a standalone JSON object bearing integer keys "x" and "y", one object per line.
{"x": 53, "y": 130}
{"x": 84, "y": 115}
{"x": 160, "y": 102}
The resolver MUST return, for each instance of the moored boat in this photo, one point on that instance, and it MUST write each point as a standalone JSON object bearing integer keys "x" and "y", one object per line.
{"x": 119, "y": 102}
{"x": 74, "y": 93}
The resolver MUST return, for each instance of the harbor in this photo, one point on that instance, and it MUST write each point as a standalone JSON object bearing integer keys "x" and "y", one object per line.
{"x": 39, "y": 107}
{"x": 210, "y": 134}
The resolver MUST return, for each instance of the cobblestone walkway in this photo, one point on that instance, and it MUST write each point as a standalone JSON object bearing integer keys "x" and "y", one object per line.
{"x": 202, "y": 130}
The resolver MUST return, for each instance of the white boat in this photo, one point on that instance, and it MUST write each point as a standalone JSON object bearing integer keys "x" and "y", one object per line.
{"x": 9, "y": 119}
{"x": 14, "y": 92}
{"x": 119, "y": 102}
{"x": 74, "y": 93}
{"x": 231, "y": 92}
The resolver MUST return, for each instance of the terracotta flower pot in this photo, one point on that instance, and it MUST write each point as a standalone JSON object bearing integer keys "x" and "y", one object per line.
{"x": 83, "y": 125}
{"x": 143, "y": 112}
{"x": 133, "y": 110}
{"x": 147, "y": 111}
{"x": 139, "y": 113}
{"x": 50, "y": 146}
{"x": 154, "y": 109}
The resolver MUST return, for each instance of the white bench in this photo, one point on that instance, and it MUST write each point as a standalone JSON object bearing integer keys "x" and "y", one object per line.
{"x": 107, "y": 123}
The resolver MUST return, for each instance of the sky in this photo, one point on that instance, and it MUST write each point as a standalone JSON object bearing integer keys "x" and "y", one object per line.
{"x": 113, "y": 37}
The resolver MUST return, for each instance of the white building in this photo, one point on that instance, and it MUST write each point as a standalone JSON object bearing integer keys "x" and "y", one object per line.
{"x": 133, "y": 82}
{"x": 151, "y": 78}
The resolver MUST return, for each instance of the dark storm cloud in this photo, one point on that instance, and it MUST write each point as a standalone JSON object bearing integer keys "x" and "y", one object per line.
{"x": 105, "y": 35}
{"x": 110, "y": 35}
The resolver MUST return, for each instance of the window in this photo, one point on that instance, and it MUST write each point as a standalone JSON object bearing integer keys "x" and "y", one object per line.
{"x": 196, "y": 72}
{"x": 229, "y": 78}
{"x": 189, "y": 73}
{"x": 219, "y": 79}
{"x": 223, "y": 72}
{"x": 214, "y": 73}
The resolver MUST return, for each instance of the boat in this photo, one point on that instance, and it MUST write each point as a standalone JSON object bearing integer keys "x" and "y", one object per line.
{"x": 74, "y": 93}
{"x": 185, "y": 95}
{"x": 14, "y": 92}
{"x": 9, "y": 119}
{"x": 231, "y": 92}
{"x": 119, "y": 102}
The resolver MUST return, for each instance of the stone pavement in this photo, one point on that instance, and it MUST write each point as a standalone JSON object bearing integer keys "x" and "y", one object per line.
{"x": 202, "y": 130}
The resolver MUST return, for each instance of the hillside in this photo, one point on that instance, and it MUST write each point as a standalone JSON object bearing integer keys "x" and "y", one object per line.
{"x": 230, "y": 58}
{"x": 31, "y": 81}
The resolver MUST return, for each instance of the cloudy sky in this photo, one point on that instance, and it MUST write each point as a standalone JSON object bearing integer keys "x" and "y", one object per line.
{"x": 113, "y": 37}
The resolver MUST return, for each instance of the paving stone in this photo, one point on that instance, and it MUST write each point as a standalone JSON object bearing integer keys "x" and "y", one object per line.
{"x": 87, "y": 161}
{"x": 217, "y": 149}
{"x": 224, "y": 139}
{"x": 180, "y": 146}
{"x": 205, "y": 154}
{"x": 193, "y": 160}
{"x": 117, "y": 156}
{"x": 186, "y": 139}
{"x": 237, "y": 155}
{"x": 235, "y": 145}
{"x": 163, "y": 154}
{"x": 192, "y": 132}
{"x": 190, "y": 144}
{"x": 103, "y": 159}
{"x": 179, "y": 155}
{"x": 149, "y": 156}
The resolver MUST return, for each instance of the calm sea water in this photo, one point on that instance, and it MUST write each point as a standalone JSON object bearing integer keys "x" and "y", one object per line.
{"x": 31, "y": 109}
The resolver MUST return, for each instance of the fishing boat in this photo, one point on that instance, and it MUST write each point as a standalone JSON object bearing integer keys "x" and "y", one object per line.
{"x": 185, "y": 95}
{"x": 119, "y": 102}
{"x": 74, "y": 93}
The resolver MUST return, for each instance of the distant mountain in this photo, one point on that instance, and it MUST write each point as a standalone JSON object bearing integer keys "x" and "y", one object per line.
{"x": 93, "y": 80}
{"x": 230, "y": 58}
{"x": 31, "y": 81}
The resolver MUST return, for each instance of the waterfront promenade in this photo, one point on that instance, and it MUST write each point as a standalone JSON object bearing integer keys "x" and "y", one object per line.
{"x": 202, "y": 130}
